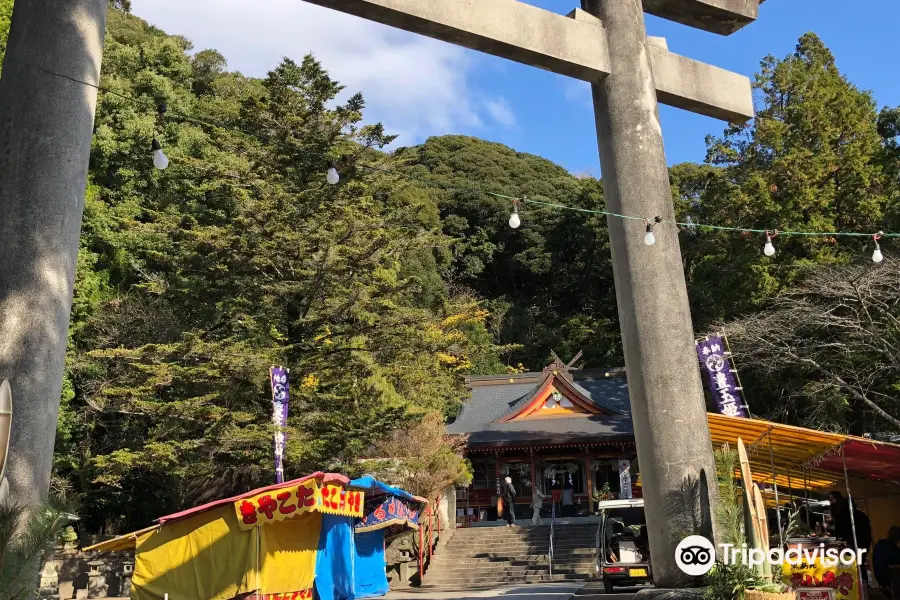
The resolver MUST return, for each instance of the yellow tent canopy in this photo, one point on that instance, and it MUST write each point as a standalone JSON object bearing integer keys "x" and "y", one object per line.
{"x": 803, "y": 460}
{"x": 221, "y": 550}
{"x": 121, "y": 543}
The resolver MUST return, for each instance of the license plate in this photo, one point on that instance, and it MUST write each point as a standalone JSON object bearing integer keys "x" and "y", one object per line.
{"x": 637, "y": 572}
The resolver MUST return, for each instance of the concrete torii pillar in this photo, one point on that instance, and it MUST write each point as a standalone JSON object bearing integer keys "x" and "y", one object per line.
{"x": 605, "y": 43}
{"x": 46, "y": 124}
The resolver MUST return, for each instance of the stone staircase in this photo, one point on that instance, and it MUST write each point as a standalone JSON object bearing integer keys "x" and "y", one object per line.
{"x": 478, "y": 557}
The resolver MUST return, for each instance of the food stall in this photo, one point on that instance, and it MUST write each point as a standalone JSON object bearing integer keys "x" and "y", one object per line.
{"x": 291, "y": 540}
{"x": 796, "y": 465}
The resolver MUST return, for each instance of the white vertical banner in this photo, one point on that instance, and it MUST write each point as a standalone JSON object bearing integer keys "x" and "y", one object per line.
{"x": 625, "y": 479}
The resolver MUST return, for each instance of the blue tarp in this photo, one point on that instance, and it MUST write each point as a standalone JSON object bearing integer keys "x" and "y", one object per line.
{"x": 351, "y": 565}
{"x": 370, "y": 579}
{"x": 372, "y": 486}
{"x": 334, "y": 561}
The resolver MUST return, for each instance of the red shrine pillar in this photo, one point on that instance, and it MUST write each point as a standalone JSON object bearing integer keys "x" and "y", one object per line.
{"x": 533, "y": 472}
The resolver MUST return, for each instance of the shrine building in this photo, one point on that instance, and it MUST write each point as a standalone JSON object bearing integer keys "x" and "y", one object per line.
{"x": 546, "y": 429}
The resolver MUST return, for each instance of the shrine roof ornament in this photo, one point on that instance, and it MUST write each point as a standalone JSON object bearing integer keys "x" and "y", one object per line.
{"x": 561, "y": 368}
{"x": 557, "y": 395}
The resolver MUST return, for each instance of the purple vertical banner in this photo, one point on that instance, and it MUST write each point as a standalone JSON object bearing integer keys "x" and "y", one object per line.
{"x": 281, "y": 394}
{"x": 722, "y": 382}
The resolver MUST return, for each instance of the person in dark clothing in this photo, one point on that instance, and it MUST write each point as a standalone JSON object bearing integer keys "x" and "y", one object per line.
{"x": 556, "y": 497}
{"x": 886, "y": 554}
{"x": 509, "y": 501}
{"x": 842, "y": 525}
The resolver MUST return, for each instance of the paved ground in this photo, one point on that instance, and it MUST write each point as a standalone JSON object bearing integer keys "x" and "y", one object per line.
{"x": 555, "y": 591}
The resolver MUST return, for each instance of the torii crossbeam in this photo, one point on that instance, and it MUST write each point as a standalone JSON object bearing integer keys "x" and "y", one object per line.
{"x": 574, "y": 45}
{"x": 605, "y": 43}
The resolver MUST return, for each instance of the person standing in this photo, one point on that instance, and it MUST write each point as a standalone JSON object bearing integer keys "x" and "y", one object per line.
{"x": 885, "y": 555}
{"x": 556, "y": 496}
{"x": 509, "y": 501}
{"x": 842, "y": 524}
{"x": 537, "y": 503}
{"x": 568, "y": 498}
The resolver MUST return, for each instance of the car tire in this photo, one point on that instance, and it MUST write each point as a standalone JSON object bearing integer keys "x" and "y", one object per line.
{"x": 607, "y": 586}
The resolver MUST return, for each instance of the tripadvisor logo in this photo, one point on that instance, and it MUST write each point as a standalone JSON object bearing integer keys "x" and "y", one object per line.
{"x": 695, "y": 555}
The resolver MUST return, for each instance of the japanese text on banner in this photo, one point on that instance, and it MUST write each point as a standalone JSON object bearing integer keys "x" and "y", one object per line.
{"x": 722, "y": 382}
{"x": 288, "y": 502}
{"x": 843, "y": 579}
{"x": 392, "y": 510}
{"x": 281, "y": 395}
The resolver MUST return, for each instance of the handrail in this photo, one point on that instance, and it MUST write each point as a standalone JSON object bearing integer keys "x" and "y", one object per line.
{"x": 552, "y": 527}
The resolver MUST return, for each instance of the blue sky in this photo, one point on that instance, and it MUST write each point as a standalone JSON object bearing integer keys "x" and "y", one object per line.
{"x": 420, "y": 87}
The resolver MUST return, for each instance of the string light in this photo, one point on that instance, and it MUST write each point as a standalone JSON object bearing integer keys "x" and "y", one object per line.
{"x": 514, "y": 220}
{"x": 160, "y": 161}
{"x": 769, "y": 248}
{"x": 649, "y": 238}
{"x": 332, "y": 176}
{"x": 877, "y": 256}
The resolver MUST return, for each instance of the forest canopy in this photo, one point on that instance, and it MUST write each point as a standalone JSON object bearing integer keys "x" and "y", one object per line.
{"x": 383, "y": 292}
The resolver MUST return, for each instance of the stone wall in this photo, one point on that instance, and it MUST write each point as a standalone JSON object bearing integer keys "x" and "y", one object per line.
{"x": 74, "y": 574}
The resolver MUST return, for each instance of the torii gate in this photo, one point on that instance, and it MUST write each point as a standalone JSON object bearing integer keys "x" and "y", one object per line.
{"x": 605, "y": 43}
{"x": 45, "y": 136}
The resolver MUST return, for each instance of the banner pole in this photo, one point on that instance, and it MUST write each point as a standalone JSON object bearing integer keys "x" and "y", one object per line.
{"x": 737, "y": 376}
{"x": 860, "y": 569}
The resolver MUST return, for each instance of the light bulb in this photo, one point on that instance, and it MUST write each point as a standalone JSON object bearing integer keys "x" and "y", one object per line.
{"x": 649, "y": 238}
{"x": 332, "y": 176}
{"x": 877, "y": 256}
{"x": 514, "y": 220}
{"x": 769, "y": 250}
{"x": 160, "y": 161}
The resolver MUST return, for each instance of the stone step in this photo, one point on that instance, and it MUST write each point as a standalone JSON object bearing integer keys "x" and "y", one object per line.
{"x": 494, "y": 556}
{"x": 500, "y": 581}
{"x": 589, "y": 541}
{"x": 502, "y": 556}
{"x": 472, "y": 531}
{"x": 442, "y": 558}
{"x": 512, "y": 562}
{"x": 524, "y": 532}
{"x": 508, "y": 549}
{"x": 519, "y": 541}
{"x": 511, "y": 571}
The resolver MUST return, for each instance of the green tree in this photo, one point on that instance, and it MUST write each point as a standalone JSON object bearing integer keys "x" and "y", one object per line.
{"x": 547, "y": 284}
{"x": 193, "y": 280}
{"x": 811, "y": 160}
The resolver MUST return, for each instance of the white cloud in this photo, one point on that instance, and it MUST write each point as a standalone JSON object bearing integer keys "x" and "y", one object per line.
{"x": 415, "y": 85}
{"x": 501, "y": 112}
{"x": 579, "y": 92}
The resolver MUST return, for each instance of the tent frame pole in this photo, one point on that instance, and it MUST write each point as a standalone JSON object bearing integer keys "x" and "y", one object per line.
{"x": 863, "y": 588}
{"x": 775, "y": 484}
